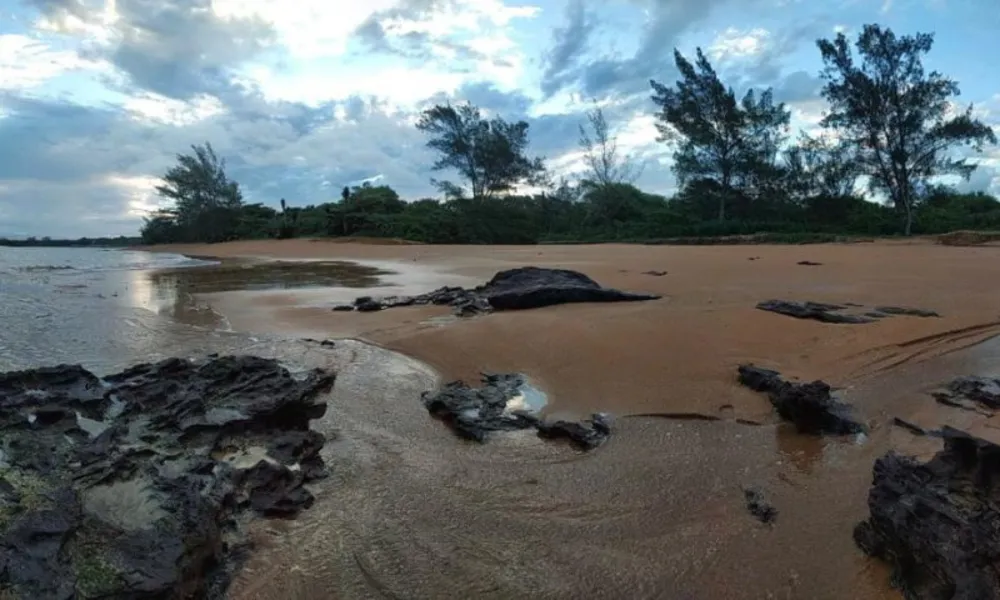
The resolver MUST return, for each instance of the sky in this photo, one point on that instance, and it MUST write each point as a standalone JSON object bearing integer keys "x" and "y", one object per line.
{"x": 303, "y": 97}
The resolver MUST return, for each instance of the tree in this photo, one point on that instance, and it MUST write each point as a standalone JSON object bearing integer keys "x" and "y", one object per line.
{"x": 816, "y": 166}
{"x": 605, "y": 166}
{"x": 898, "y": 117}
{"x": 206, "y": 202}
{"x": 715, "y": 137}
{"x": 491, "y": 154}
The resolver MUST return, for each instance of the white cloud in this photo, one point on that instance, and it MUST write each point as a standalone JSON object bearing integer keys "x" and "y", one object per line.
{"x": 734, "y": 43}
{"x": 149, "y": 107}
{"x": 27, "y": 62}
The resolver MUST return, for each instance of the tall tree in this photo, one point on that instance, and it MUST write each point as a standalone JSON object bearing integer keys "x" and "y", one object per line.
{"x": 490, "y": 154}
{"x": 206, "y": 202}
{"x": 605, "y": 165}
{"x": 715, "y": 137}
{"x": 898, "y": 117}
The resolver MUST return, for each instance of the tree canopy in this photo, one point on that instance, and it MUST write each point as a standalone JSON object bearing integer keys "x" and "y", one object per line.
{"x": 899, "y": 118}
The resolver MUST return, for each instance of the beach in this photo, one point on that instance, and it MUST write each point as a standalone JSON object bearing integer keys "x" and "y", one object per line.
{"x": 412, "y": 511}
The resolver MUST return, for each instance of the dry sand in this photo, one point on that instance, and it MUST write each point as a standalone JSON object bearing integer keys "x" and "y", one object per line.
{"x": 658, "y": 511}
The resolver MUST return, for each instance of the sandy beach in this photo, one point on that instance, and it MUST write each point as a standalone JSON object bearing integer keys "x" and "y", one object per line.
{"x": 657, "y": 512}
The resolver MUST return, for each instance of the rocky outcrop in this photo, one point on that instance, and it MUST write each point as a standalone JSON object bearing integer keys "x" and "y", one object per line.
{"x": 810, "y": 406}
{"x": 971, "y": 393}
{"x": 136, "y": 485}
{"x": 903, "y": 310}
{"x": 514, "y": 289}
{"x": 937, "y": 523}
{"x": 818, "y": 311}
{"x": 475, "y": 413}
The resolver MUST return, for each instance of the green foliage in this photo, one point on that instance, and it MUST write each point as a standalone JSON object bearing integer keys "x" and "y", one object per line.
{"x": 491, "y": 154}
{"x": 896, "y": 115}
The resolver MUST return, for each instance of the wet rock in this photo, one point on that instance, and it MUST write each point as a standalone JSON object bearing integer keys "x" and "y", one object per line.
{"x": 810, "y": 406}
{"x": 475, "y": 413}
{"x": 809, "y": 263}
{"x": 937, "y": 523}
{"x": 902, "y": 310}
{"x": 971, "y": 393}
{"x": 343, "y": 308}
{"x": 137, "y": 485}
{"x": 514, "y": 289}
{"x": 655, "y": 273}
{"x": 758, "y": 505}
{"x": 826, "y": 313}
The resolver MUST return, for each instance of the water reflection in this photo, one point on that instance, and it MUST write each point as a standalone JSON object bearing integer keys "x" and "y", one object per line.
{"x": 803, "y": 451}
{"x": 174, "y": 292}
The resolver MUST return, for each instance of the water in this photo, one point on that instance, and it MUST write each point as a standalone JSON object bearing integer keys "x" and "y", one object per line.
{"x": 104, "y": 307}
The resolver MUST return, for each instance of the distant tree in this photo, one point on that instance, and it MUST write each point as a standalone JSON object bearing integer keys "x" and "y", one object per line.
{"x": 605, "y": 165}
{"x": 715, "y": 137}
{"x": 898, "y": 117}
{"x": 816, "y": 166}
{"x": 206, "y": 203}
{"x": 160, "y": 228}
{"x": 490, "y": 154}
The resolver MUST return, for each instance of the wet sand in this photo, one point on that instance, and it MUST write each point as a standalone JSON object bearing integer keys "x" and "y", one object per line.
{"x": 412, "y": 512}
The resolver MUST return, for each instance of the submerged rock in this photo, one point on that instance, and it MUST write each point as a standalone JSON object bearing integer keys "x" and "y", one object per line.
{"x": 810, "y": 406}
{"x": 826, "y": 313}
{"x": 474, "y": 413}
{"x": 514, "y": 289}
{"x": 937, "y": 523}
{"x": 136, "y": 485}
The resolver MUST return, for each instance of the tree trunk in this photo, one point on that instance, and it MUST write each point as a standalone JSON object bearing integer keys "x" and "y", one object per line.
{"x": 908, "y": 222}
{"x": 722, "y": 207}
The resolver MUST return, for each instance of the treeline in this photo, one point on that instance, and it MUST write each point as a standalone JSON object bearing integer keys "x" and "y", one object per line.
{"x": 890, "y": 130}
{"x": 47, "y": 242}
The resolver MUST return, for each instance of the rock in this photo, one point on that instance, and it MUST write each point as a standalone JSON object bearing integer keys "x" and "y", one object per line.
{"x": 474, "y": 413}
{"x": 937, "y": 523}
{"x": 826, "y": 313}
{"x": 759, "y": 506}
{"x": 514, "y": 289}
{"x": 970, "y": 392}
{"x": 810, "y": 406}
{"x": 137, "y": 485}
{"x": 914, "y": 428}
{"x": 655, "y": 273}
{"x": 809, "y": 263}
{"x": 343, "y": 308}
{"x": 901, "y": 310}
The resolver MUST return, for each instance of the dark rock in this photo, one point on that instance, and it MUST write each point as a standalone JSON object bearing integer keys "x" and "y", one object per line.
{"x": 343, "y": 308}
{"x": 810, "y": 406}
{"x": 144, "y": 493}
{"x": 758, "y": 505}
{"x": 937, "y": 523}
{"x": 474, "y": 413}
{"x": 809, "y": 263}
{"x": 826, "y": 313}
{"x": 875, "y": 315}
{"x": 971, "y": 392}
{"x": 901, "y": 310}
{"x": 914, "y": 428}
{"x": 655, "y": 273}
{"x": 515, "y": 289}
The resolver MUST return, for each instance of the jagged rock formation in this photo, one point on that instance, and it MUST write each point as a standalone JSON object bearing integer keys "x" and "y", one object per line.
{"x": 810, "y": 406}
{"x": 514, "y": 289}
{"x": 136, "y": 485}
{"x": 937, "y": 523}
{"x": 971, "y": 393}
{"x": 474, "y": 413}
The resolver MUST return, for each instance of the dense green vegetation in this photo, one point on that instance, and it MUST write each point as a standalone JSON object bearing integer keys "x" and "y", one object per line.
{"x": 104, "y": 242}
{"x": 890, "y": 126}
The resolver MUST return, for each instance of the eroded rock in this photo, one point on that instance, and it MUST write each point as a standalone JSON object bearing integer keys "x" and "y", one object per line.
{"x": 475, "y": 413}
{"x": 810, "y": 406}
{"x": 818, "y": 311}
{"x": 903, "y": 310}
{"x": 514, "y": 289}
{"x": 136, "y": 485}
{"x": 971, "y": 393}
{"x": 937, "y": 523}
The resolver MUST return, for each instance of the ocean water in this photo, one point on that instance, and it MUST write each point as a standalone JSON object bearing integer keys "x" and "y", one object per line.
{"x": 96, "y": 307}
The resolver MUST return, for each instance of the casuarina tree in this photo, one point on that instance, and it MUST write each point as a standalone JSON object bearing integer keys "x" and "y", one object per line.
{"x": 206, "y": 203}
{"x": 899, "y": 118}
{"x": 719, "y": 142}
{"x": 490, "y": 154}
